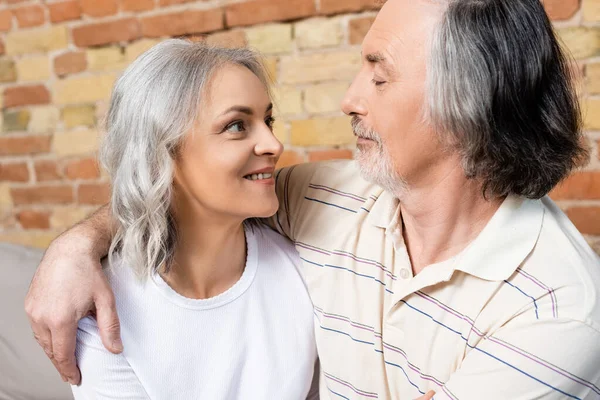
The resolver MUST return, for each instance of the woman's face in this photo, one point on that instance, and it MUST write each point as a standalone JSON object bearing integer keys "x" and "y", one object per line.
{"x": 226, "y": 165}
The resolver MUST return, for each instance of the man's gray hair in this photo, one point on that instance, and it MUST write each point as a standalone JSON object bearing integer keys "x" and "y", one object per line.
{"x": 153, "y": 105}
{"x": 500, "y": 89}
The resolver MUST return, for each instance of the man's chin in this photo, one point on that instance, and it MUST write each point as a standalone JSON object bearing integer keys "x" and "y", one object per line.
{"x": 367, "y": 168}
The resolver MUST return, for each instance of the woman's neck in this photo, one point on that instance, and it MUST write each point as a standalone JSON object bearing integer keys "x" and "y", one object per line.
{"x": 209, "y": 256}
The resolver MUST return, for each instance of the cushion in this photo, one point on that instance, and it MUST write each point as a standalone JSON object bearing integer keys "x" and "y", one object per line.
{"x": 25, "y": 371}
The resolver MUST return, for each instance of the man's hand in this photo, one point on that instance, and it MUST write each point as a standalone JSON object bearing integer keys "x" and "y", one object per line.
{"x": 68, "y": 285}
{"x": 427, "y": 396}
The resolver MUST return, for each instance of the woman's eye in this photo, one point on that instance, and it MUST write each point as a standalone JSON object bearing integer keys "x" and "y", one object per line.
{"x": 235, "y": 127}
{"x": 270, "y": 122}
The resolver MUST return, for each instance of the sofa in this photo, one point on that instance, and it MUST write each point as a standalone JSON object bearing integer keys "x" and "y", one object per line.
{"x": 25, "y": 371}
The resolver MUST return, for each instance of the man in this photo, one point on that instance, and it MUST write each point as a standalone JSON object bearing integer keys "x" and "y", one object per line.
{"x": 444, "y": 267}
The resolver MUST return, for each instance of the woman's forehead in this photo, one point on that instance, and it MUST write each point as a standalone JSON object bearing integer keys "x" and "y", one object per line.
{"x": 236, "y": 85}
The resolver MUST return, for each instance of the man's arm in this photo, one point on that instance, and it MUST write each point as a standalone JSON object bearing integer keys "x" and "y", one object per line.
{"x": 70, "y": 284}
{"x": 530, "y": 358}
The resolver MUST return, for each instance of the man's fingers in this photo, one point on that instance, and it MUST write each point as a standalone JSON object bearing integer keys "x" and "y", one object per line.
{"x": 42, "y": 336}
{"x": 108, "y": 324}
{"x": 427, "y": 396}
{"x": 44, "y": 339}
{"x": 63, "y": 349}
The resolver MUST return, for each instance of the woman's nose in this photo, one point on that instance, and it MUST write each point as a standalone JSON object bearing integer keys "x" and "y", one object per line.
{"x": 268, "y": 144}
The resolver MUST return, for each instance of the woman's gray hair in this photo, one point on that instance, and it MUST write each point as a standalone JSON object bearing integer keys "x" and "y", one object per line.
{"x": 500, "y": 89}
{"x": 153, "y": 105}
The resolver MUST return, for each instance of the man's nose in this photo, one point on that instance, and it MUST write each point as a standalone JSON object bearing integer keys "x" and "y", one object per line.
{"x": 354, "y": 102}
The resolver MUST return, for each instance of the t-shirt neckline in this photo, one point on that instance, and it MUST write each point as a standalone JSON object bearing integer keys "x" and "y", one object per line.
{"x": 227, "y": 296}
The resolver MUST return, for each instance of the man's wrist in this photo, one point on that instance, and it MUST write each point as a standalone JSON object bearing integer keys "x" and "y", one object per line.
{"x": 91, "y": 237}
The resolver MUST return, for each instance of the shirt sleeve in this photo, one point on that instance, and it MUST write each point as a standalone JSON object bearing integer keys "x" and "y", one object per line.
{"x": 530, "y": 358}
{"x": 103, "y": 375}
{"x": 291, "y": 184}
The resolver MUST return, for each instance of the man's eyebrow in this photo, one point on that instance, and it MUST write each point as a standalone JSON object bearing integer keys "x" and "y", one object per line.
{"x": 378, "y": 58}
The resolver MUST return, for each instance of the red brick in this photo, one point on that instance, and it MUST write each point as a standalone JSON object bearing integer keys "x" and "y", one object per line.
{"x": 46, "y": 170}
{"x": 166, "y": 3}
{"x": 94, "y": 193}
{"x": 28, "y": 16}
{"x": 82, "y": 169}
{"x": 325, "y": 155}
{"x": 342, "y": 6}
{"x": 25, "y": 145}
{"x": 70, "y": 63}
{"x": 182, "y": 23}
{"x": 289, "y": 158}
{"x": 99, "y": 8}
{"x": 26, "y": 95}
{"x": 30, "y": 219}
{"x": 64, "y": 11}
{"x": 7, "y": 220}
{"x": 62, "y": 194}
{"x": 121, "y": 30}
{"x": 579, "y": 186}
{"x": 561, "y": 9}
{"x": 358, "y": 29}
{"x": 5, "y": 20}
{"x": 137, "y": 5}
{"x": 260, "y": 11}
{"x": 586, "y": 219}
{"x": 14, "y": 172}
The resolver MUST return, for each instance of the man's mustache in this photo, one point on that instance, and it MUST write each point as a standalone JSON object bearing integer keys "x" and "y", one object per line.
{"x": 361, "y": 131}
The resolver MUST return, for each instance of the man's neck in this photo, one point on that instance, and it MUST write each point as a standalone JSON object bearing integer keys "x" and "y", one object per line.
{"x": 443, "y": 216}
{"x": 209, "y": 257}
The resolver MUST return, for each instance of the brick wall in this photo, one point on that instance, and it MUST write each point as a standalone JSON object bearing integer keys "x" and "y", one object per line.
{"x": 60, "y": 58}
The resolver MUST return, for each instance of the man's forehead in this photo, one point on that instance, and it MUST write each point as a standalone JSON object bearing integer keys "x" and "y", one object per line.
{"x": 396, "y": 13}
{"x": 400, "y": 22}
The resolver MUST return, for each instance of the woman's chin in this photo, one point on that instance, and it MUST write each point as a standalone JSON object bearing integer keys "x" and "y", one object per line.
{"x": 265, "y": 210}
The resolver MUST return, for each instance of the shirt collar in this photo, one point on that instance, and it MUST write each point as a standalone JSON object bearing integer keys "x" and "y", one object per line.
{"x": 505, "y": 242}
{"x": 503, "y": 245}
{"x": 384, "y": 212}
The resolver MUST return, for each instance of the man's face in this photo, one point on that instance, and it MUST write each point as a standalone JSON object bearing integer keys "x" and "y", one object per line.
{"x": 387, "y": 97}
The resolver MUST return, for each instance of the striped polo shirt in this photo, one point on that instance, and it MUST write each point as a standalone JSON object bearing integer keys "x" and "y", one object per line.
{"x": 516, "y": 315}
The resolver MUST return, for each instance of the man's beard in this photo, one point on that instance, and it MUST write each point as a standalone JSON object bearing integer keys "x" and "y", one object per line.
{"x": 375, "y": 162}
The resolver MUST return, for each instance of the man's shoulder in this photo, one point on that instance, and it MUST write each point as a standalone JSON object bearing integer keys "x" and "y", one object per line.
{"x": 560, "y": 244}
{"x": 564, "y": 263}
{"x": 337, "y": 176}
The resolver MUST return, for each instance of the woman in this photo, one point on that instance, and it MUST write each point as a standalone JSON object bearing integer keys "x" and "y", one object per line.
{"x": 212, "y": 305}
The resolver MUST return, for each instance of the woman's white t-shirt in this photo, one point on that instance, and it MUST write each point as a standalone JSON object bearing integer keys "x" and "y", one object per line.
{"x": 254, "y": 341}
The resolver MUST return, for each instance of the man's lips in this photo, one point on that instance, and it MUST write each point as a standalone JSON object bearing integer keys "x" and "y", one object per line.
{"x": 361, "y": 139}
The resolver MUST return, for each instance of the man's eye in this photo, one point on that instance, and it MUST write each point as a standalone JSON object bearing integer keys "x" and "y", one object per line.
{"x": 377, "y": 83}
{"x": 237, "y": 126}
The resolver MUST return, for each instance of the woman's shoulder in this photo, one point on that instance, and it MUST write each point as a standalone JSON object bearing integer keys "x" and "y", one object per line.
{"x": 119, "y": 273}
{"x": 276, "y": 253}
{"x": 270, "y": 240}
{"x": 130, "y": 290}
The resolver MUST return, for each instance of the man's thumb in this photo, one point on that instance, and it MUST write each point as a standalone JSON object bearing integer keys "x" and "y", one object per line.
{"x": 108, "y": 324}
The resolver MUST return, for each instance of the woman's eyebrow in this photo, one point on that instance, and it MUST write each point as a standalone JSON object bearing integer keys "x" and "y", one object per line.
{"x": 245, "y": 109}
{"x": 242, "y": 109}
